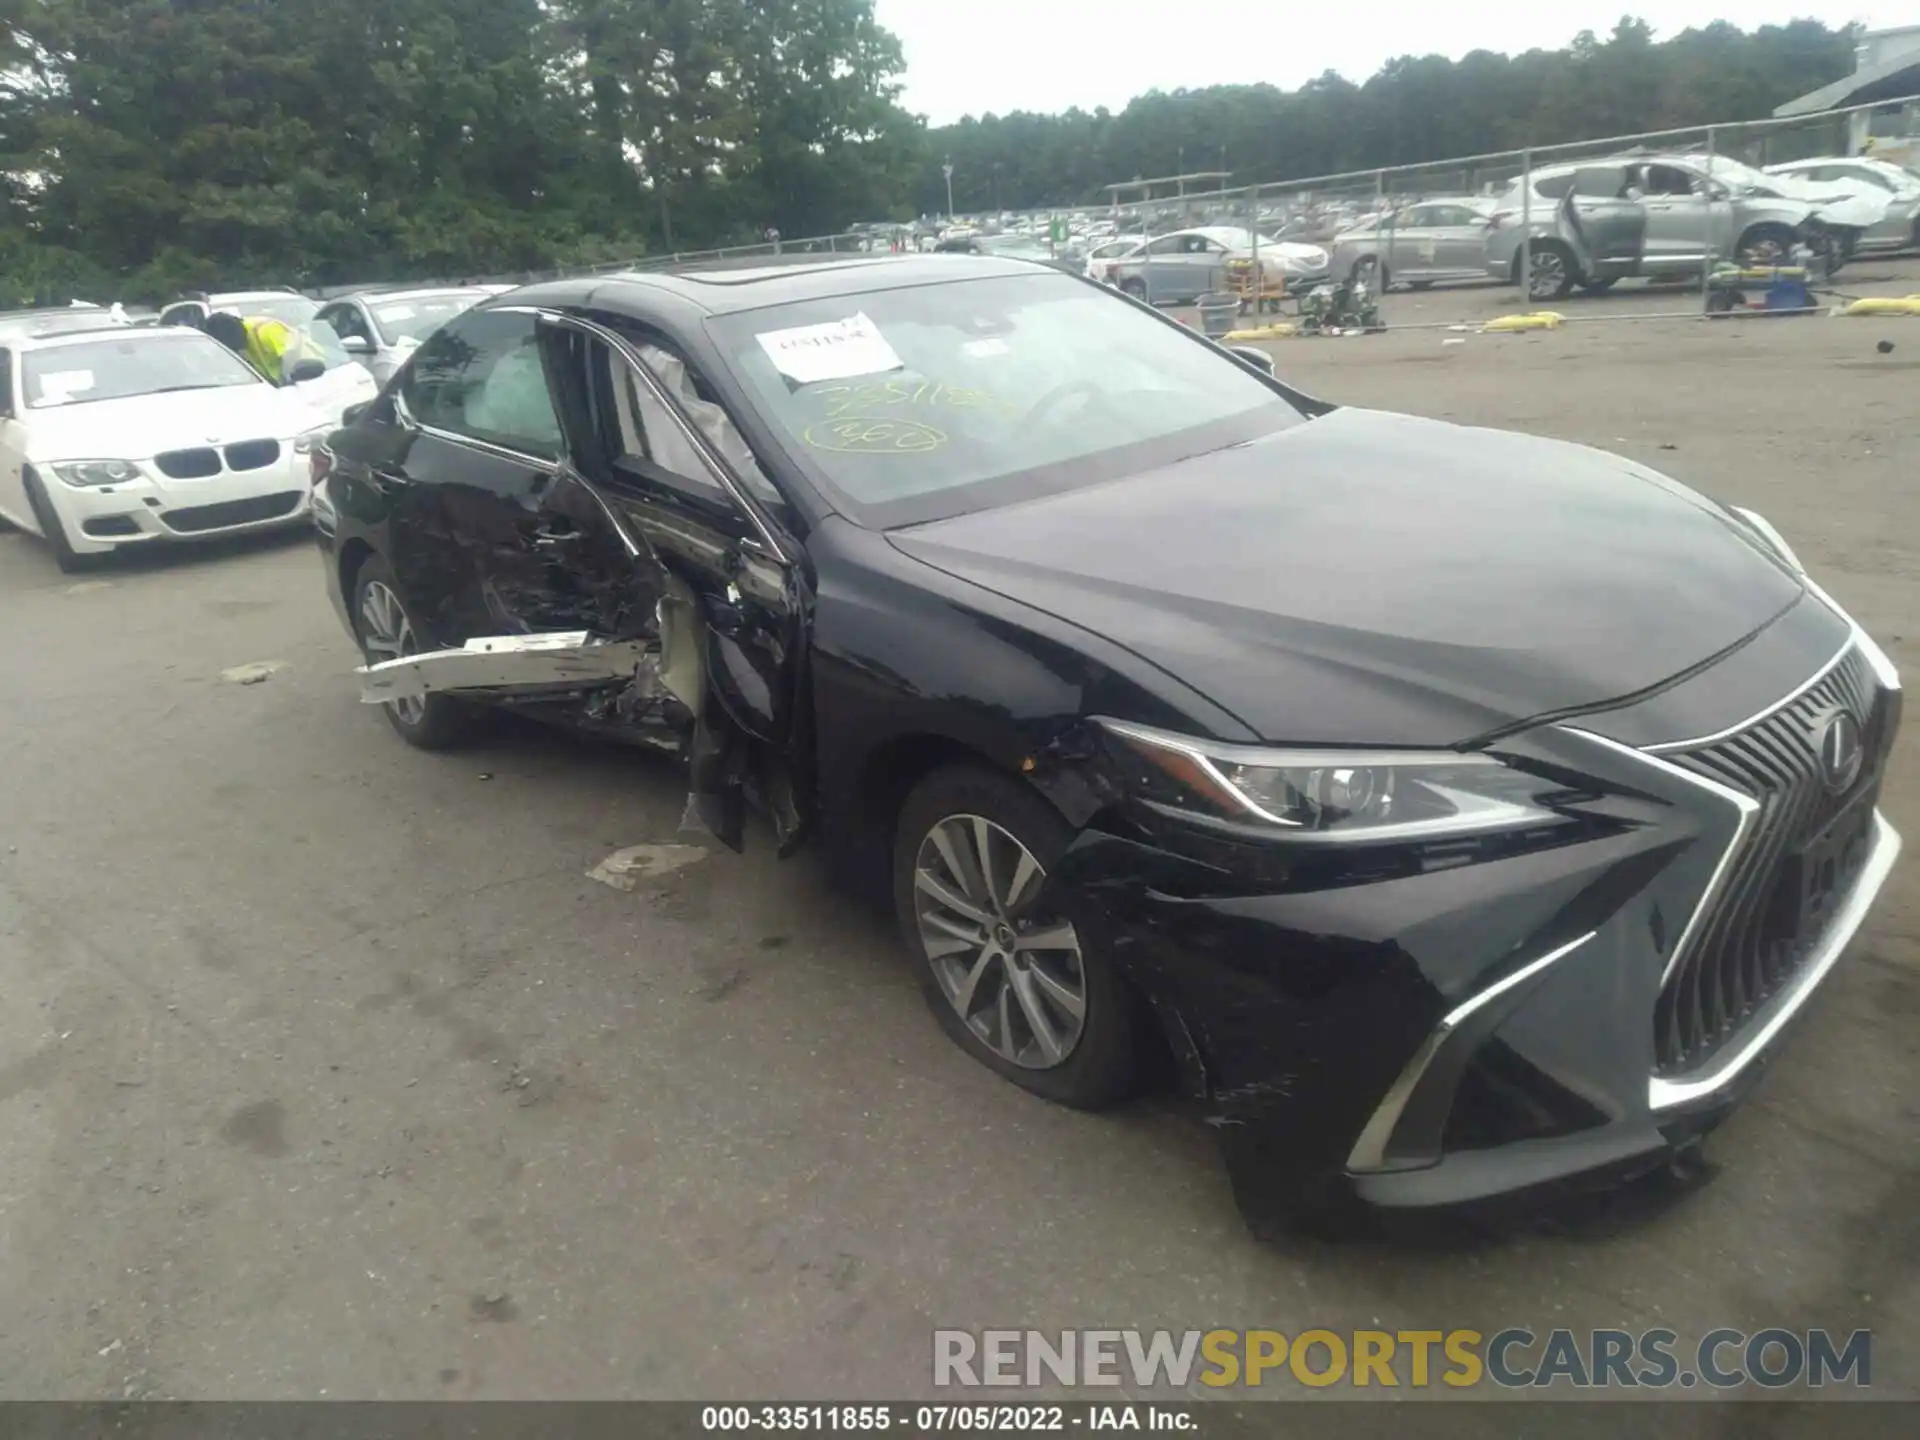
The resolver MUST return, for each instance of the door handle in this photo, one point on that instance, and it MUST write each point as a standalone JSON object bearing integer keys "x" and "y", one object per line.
{"x": 547, "y": 538}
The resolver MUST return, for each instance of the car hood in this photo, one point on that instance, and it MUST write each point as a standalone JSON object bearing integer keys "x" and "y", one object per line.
{"x": 1375, "y": 579}
{"x": 142, "y": 426}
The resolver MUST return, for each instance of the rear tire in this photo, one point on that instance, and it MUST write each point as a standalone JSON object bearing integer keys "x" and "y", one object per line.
{"x": 1019, "y": 1003}
{"x": 70, "y": 561}
{"x": 1553, "y": 271}
{"x": 385, "y": 631}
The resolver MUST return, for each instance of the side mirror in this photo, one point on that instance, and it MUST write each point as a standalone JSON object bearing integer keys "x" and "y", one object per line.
{"x": 1259, "y": 359}
{"x": 356, "y": 344}
{"x": 306, "y": 370}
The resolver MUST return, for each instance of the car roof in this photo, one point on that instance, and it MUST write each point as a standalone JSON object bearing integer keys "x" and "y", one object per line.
{"x": 408, "y": 292}
{"x": 716, "y": 288}
{"x": 142, "y": 334}
{"x": 217, "y": 297}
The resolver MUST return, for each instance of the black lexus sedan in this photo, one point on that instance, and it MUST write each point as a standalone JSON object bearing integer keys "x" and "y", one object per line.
{"x": 1459, "y": 812}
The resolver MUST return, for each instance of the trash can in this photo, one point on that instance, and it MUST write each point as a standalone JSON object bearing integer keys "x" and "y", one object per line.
{"x": 1219, "y": 313}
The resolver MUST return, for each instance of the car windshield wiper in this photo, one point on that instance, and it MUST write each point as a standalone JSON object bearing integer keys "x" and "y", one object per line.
{"x": 205, "y": 385}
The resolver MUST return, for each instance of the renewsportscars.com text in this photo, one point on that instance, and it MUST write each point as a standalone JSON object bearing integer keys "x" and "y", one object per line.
{"x": 1514, "y": 1358}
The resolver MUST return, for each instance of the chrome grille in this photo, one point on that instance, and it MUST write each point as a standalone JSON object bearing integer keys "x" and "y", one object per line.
{"x": 1770, "y": 909}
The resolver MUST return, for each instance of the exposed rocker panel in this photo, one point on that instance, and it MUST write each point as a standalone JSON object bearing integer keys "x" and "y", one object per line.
{"x": 560, "y": 660}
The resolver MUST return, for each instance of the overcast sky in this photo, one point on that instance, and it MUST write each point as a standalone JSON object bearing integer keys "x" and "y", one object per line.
{"x": 975, "y": 56}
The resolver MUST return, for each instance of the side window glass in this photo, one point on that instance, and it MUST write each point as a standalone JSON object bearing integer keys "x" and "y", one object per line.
{"x": 346, "y": 320}
{"x": 709, "y": 417}
{"x": 1165, "y": 245}
{"x": 1556, "y": 187}
{"x": 6, "y": 382}
{"x": 480, "y": 375}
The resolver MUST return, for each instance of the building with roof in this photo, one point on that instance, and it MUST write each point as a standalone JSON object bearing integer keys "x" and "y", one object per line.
{"x": 1886, "y": 67}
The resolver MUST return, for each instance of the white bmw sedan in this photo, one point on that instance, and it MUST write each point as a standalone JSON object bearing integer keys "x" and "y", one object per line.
{"x": 125, "y": 436}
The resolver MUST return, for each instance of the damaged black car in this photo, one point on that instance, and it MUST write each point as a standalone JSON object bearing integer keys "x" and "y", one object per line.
{"x": 1458, "y": 812}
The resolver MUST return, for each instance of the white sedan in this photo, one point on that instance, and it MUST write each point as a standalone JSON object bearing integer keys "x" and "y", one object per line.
{"x": 131, "y": 436}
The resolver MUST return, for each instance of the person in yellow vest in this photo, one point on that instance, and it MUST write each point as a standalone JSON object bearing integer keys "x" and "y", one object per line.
{"x": 270, "y": 346}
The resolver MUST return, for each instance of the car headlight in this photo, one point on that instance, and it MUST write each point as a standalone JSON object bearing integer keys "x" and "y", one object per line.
{"x": 1771, "y": 537}
{"x": 84, "y": 473}
{"x": 1334, "y": 796}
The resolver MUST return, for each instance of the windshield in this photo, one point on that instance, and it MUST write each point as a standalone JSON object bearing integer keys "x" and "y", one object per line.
{"x": 932, "y": 400}
{"x": 288, "y": 309}
{"x": 418, "y": 316}
{"x": 111, "y": 369}
{"x": 1734, "y": 175}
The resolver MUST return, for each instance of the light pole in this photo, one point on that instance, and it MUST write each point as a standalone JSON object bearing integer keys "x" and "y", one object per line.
{"x": 946, "y": 169}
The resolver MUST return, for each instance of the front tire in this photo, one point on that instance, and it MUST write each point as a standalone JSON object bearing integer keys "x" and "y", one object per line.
{"x": 70, "y": 561}
{"x": 1764, "y": 245}
{"x": 1025, "y": 990}
{"x": 386, "y": 632}
{"x": 1136, "y": 288}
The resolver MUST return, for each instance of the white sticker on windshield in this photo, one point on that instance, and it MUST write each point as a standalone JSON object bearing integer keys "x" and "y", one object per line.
{"x": 64, "y": 383}
{"x": 984, "y": 349}
{"x": 838, "y": 350}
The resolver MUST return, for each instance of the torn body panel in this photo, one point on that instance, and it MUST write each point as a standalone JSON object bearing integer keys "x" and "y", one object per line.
{"x": 504, "y": 664}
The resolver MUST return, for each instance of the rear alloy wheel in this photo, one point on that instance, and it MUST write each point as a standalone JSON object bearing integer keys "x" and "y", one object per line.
{"x": 1369, "y": 271}
{"x": 1550, "y": 271}
{"x": 1012, "y": 979}
{"x": 432, "y": 722}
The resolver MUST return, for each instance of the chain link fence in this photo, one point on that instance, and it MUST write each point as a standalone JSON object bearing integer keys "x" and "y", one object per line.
{"x": 1687, "y": 222}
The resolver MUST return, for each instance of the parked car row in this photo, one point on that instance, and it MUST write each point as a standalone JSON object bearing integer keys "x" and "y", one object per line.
{"x": 115, "y": 433}
{"x": 1591, "y": 223}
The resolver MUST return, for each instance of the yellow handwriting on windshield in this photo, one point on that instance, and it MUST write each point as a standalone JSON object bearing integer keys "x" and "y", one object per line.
{"x": 864, "y": 435}
{"x": 872, "y": 395}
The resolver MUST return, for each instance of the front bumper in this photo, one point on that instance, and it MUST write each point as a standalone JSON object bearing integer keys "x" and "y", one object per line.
{"x": 1479, "y": 1028}
{"x": 155, "y": 508}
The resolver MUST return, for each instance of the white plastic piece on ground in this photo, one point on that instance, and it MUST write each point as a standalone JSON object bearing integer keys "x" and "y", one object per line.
{"x": 253, "y": 672}
{"x": 625, "y": 869}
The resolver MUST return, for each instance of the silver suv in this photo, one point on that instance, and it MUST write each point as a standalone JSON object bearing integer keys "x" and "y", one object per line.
{"x": 1662, "y": 217}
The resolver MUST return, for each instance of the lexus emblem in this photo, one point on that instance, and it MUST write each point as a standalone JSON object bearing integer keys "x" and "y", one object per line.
{"x": 1841, "y": 752}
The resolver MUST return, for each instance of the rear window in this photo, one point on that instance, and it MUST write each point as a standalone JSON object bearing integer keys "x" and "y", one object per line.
{"x": 911, "y": 403}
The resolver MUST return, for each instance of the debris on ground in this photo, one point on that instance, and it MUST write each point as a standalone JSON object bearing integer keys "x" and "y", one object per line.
{"x": 1518, "y": 324}
{"x": 624, "y": 869}
{"x": 1885, "y": 347}
{"x": 253, "y": 672}
{"x": 1885, "y": 305}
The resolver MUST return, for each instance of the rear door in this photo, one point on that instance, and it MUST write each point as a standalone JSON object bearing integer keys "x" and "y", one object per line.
{"x": 1460, "y": 241}
{"x": 1603, "y": 222}
{"x": 1679, "y": 214}
{"x": 1410, "y": 243}
{"x": 667, "y": 460}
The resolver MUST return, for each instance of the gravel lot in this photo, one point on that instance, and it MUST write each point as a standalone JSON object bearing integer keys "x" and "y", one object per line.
{"x": 326, "y": 1070}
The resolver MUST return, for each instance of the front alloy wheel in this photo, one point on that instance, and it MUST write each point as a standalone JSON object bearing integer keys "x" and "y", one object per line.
{"x": 1017, "y": 981}
{"x": 1019, "y": 986}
